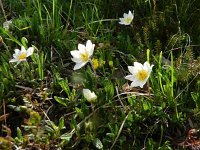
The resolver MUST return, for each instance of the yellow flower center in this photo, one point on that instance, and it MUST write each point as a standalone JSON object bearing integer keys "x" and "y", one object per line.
{"x": 128, "y": 20}
{"x": 22, "y": 56}
{"x": 142, "y": 75}
{"x": 85, "y": 56}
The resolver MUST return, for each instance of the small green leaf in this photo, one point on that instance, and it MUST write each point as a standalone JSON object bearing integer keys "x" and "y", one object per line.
{"x": 19, "y": 134}
{"x": 64, "y": 84}
{"x": 146, "y": 106}
{"x": 196, "y": 98}
{"x": 79, "y": 112}
{"x": 112, "y": 135}
{"x": 61, "y": 100}
{"x": 61, "y": 123}
{"x": 66, "y": 137}
{"x": 109, "y": 89}
{"x": 24, "y": 41}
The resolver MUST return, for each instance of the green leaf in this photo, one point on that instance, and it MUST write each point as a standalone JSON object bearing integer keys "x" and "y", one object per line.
{"x": 66, "y": 137}
{"x": 97, "y": 143}
{"x": 39, "y": 60}
{"x": 146, "y": 105}
{"x": 109, "y": 89}
{"x": 19, "y": 134}
{"x": 79, "y": 112}
{"x": 112, "y": 135}
{"x": 61, "y": 123}
{"x": 60, "y": 100}
{"x": 196, "y": 99}
{"x": 64, "y": 85}
{"x": 24, "y": 41}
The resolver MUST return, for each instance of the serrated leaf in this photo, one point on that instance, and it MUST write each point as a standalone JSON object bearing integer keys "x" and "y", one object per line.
{"x": 64, "y": 85}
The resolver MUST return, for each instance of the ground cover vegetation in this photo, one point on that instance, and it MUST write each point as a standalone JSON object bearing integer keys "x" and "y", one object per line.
{"x": 99, "y": 74}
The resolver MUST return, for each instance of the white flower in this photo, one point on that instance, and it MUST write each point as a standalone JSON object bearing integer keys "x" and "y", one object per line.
{"x": 7, "y": 24}
{"x": 83, "y": 54}
{"x": 21, "y": 55}
{"x": 90, "y": 96}
{"x": 127, "y": 18}
{"x": 139, "y": 74}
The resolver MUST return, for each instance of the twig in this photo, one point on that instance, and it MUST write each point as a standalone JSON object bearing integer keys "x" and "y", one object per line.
{"x": 119, "y": 96}
{"x": 187, "y": 85}
{"x": 3, "y": 10}
{"x": 25, "y": 88}
{"x": 104, "y": 20}
{"x": 133, "y": 93}
{"x": 120, "y": 130}
{"x": 4, "y": 112}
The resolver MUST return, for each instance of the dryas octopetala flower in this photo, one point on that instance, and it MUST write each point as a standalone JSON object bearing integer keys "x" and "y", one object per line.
{"x": 90, "y": 96}
{"x": 83, "y": 54}
{"x": 21, "y": 55}
{"x": 127, "y": 18}
{"x": 139, "y": 74}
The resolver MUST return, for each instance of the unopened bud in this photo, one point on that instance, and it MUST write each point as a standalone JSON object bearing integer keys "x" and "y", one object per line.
{"x": 110, "y": 63}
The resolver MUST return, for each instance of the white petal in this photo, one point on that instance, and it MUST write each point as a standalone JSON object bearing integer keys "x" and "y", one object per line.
{"x": 130, "y": 77}
{"x": 86, "y": 93}
{"x": 23, "y": 50}
{"x": 138, "y": 65}
{"x": 88, "y": 44}
{"x": 75, "y": 54}
{"x": 14, "y": 56}
{"x": 81, "y": 48}
{"x": 130, "y": 15}
{"x": 13, "y": 60}
{"x": 147, "y": 65}
{"x": 121, "y": 20}
{"x": 142, "y": 84}
{"x": 90, "y": 47}
{"x": 148, "y": 68}
{"x": 79, "y": 65}
{"x": 76, "y": 60}
{"x": 93, "y": 95}
{"x": 29, "y": 51}
{"x": 17, "y": 51}
{"x": 125, "y": 15}
{"x": 134, "y": 84}
{"x": 137, "y": 83}
{"x": 90, "y": 96}
{"x": 132, "y": 70}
